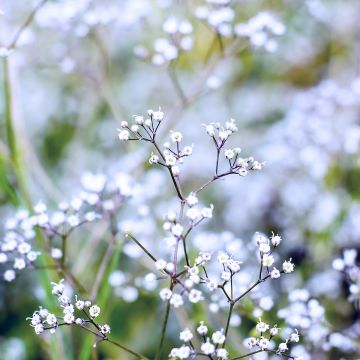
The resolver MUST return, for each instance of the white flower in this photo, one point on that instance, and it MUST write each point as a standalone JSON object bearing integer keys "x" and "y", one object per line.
{"x": 3, "y": 258}
{"x": 170, "y": 160}
{"x": 242, "y": 172}
{"x": 275, "y": 273}
{"x": 222, "y": 258}
{"x": 80, "y": 304}
{"x": 294, "y": 337}
{"x": 202, "y": 329}
{"x": 105, "y": 329}
{"x": 176, "y": 300}
{"x": 154, "y": 159}
{"x": 264, "y": 343}
{"x": 124, "y": 134}
{"x": 35, "y": 319}
{"x": 176, "y": 136}
{"x": 135, "y": 128}
{"x": 288, "y": 266}
{"x": 51, "y": 319}
{"x": 24, "y": 248}
{"x": 94, "y": 311}
{"x": 165, "y": 294}
{"x": 264, "y": 248}
{"x": 251, "y": 342}
{"x": 231, "y": 126}
{"x": 229, "y": 154}
{"x": 193, "y": 213}
{"x": 226, "y": 275}
{"x": 187, "y": 150}
{"x": 195, "y": 296}
{"x": 138, "y": 119}
{"x": 261, "y": 327}
{"x": 282, "y": 347}
{"x": 210, "y": 129}
{"x": 124, "y": 124}
{"x": 186, "y": 335}
{"x": 218, "y": 337}
{"x": 207, "y": 212}
{"x": 69, "y": 318}
{"x": 58, "y": 289}
{"x": 177, "y": 230}
{"x": 19, "y": 263}
{"x": 223, "y": 135}
{"x": 207, "y": 348}
{"x": 158, "y": 115}
{"x": 39, "y": 328}
{"x": 275, "y": 240}
{"x": 268, "y": 260}
{"x": 192, "y": 199}
{"x": 222, "y": 354}
{"x": 274, "y": 331}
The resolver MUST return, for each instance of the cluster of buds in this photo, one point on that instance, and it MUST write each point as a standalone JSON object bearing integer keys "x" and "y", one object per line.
{"x": 172, "y": 154}
{"x": 237, "y": 164}
{"x": 210, "y": 345}
{"x": 267, "y": 335}
{"x": 142, "y": 129}
{"x": 79, "y": 313}
{"x": 266, "y": 247}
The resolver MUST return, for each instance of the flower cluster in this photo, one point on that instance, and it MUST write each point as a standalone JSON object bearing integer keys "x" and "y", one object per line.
{"x": 210, "y": 345}
{"x": 265, "y": 341}
{"x": 99, "y": 198}
{"x": 237, "y": 165}
{"x": 80, "y": 313}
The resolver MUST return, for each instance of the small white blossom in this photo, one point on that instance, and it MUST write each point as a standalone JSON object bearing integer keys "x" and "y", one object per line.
{"x": 186, "y": 335}
{"x": 94, "y": 311}
{"x": 288, "y": 266}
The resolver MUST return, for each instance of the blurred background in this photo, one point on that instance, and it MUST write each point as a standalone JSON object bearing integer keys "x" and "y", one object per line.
{"x": 291, "y": 80}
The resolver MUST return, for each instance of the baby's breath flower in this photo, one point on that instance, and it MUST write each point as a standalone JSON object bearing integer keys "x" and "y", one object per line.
{"x": 202, "y": 329}
{"x": 186, "y": 335}
{"x": 207, "y": 348}
{"x": 262, "y": 327}
{"x": 94, "y": 311}
{"x": 288, "y": 266}
{"x": 218, "y": 337}
{"x": 124, "y": 135}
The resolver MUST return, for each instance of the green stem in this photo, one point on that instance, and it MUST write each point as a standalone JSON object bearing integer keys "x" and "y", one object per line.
{"x": 164, "y": 326}
{"x": 139, "y": 356}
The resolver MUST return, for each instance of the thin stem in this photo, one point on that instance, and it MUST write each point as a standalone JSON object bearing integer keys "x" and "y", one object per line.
{"x": 177, "y": 188}
{"x": 151, "y": 256}
{"x": 139, "y": 356}
{"x": 228, "y": 321}
{"x": 104, "y": 262}
{"x": 26, "y": 24}
{"x": 164, "y": 326}
{"x": 246, "y": 355}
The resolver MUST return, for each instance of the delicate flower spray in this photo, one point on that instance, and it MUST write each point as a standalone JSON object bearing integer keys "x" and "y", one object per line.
{"x": 189, "y": 279}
